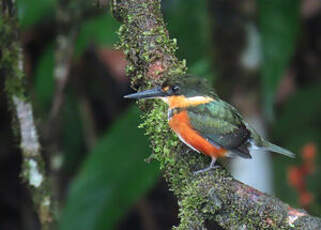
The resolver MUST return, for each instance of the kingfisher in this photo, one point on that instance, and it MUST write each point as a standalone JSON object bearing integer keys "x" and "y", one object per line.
{"x": 206, "y": 123}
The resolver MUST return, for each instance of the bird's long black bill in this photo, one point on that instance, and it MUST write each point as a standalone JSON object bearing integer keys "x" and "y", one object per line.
{"x": 150, "y": 93}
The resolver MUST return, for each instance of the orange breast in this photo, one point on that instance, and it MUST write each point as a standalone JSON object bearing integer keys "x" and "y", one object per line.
{"x": 181, "y": 125}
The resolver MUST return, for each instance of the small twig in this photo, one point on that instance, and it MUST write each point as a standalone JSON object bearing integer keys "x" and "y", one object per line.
{"x": 63, "y": 56}
{"x": 88, "y": 123}
{"x": 65, "y": 39}
{"x": 69, "y": 18}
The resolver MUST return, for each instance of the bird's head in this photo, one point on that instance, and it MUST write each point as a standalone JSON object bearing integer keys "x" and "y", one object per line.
{"x": 182, "y": 92}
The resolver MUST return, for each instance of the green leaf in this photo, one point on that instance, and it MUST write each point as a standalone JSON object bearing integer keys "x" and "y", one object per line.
{"x": 202, "y": 68}
{"x": 112, "y": 178}
{"x": 72, "y": 133}
{"x": 304, "y": 105}
{"x": 193, "y": 39}
{"x": 100, "y": 30}
{"x": 32, "y": 11}
{"x": 44, "y": 81}
{"x": 279, "y": 25}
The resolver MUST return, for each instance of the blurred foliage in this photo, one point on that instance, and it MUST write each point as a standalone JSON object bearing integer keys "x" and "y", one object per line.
{"x": 72, "y": 134}
{"x": 299, "y": 124}
{"x": 99, "y": 31}
{"x": 110, "y": 162}
{"x": 188, "y": 22}
{"x": 112, "y": 178}
{"x": 114, "y": 175}
{"x": 44, "y": 81}
{"x": 279, "y": 26}
{"x": 32, "y": 12}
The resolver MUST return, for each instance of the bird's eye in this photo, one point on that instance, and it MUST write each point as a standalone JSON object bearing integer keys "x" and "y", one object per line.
{"x": 175, "y": 89}
{"x": 165, "y": 89}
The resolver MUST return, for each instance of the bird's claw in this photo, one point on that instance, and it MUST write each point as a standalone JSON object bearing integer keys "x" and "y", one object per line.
{"x": 206, "y": 169}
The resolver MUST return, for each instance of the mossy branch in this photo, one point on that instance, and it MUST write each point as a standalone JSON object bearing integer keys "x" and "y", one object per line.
{"x": 212, "y": 196}
{"x": 11, "y": 68}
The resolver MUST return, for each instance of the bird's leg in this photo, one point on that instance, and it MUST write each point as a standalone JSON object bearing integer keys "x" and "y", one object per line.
{"x": 212, "y": 166}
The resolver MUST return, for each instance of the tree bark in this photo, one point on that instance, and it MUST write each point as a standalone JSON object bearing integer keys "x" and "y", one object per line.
{"x": 211, "y": 196}
{"x": 11, "y": 68}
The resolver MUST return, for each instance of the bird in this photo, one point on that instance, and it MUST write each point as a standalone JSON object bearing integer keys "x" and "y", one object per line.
{"x": 206, "y": 123}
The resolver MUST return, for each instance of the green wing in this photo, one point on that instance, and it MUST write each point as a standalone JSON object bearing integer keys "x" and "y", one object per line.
{"x": 222, "y": 125}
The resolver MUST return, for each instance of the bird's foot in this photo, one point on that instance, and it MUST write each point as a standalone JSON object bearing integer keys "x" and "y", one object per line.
{"x": 206, "y": 169}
